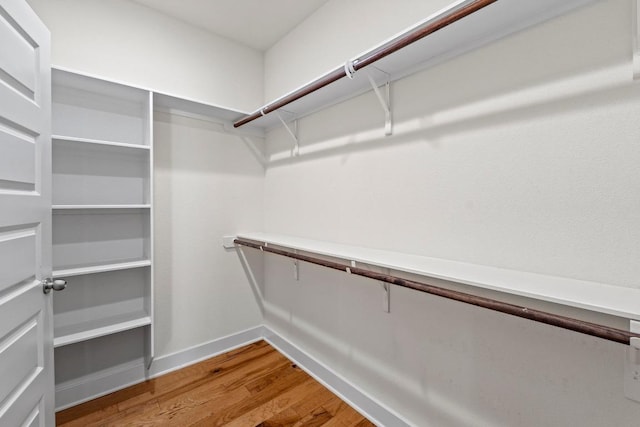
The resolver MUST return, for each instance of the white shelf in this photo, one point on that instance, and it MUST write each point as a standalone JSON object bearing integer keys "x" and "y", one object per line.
{"x": 90, "y": 237}
{"x": 94, "y": 110}
{"x": 171, "y": 104}
{"x": 491, "y": 23}
{"x": 598, "y": 297}
{"x": 97, "y": 86}
{"x": 99, "y": 174}
{"x": 100, "y": 268}
{"x": 99, "y": 142}
{"x": 73, "y": 333}
{"x": 98, "y": 207}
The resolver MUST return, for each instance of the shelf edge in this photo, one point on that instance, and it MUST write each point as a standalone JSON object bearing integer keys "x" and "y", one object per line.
{"x": 101, "y": 331}
{"x": 79, "y": 271}
{"x": 100, "y": 142}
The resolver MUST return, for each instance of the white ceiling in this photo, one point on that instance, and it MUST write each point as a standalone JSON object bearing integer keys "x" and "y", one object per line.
{"x": 255, "y": 23}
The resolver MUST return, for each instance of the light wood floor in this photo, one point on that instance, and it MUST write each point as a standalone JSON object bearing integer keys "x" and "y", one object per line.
{"x": 248, "y": 387}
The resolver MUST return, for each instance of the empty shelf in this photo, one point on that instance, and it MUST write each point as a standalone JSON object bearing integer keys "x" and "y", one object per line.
{"x": 100, "y": 268}
{"x": 80, "y": 207}
{"x": 99, "y": 142}
{"x": 76, "y": 332}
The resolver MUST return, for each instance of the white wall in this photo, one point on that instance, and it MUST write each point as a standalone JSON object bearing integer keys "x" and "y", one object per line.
{"x": 207, "y": 184}
{"x": 340, "y": 30}
{"x": 124, "y": 41}
{"x": 520, "y": 155}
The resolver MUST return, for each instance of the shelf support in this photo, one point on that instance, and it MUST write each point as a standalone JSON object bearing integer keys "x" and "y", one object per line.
{"x": 636, "y": 39}
{"x": 296, "y": 270}
{"x": 386, "y": 300}
{"x": 295, "y": 151}
{"x": 385, "y": 102}
{"x": 386, "y": 292}
{"x": 632, "y": 364}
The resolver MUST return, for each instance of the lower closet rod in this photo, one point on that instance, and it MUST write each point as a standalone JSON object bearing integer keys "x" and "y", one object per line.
{"x": 576, "y": 325}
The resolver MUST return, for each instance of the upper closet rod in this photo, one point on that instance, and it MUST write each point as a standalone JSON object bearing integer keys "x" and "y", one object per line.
{"x": 370, "y": 57}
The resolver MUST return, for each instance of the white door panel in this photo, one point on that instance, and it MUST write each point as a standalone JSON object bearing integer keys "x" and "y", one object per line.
{"x": 17, "y": 159}
{"x": 26, "y": 334}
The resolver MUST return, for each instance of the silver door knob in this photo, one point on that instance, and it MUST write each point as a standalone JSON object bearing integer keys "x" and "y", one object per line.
{"x": 56, "y": 285}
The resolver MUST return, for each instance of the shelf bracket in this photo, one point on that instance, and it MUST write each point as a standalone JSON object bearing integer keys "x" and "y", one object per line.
{"x": 386, "y": 298}
{"x": 636, "y": 39}
{"x": 296, "y": 267}
{"x": 385, "y": 102}
{"x": 348, "y": 269}
{"x": 257, "y": 153}
{"x": 632, "y": 364}
{"x": 295, "y": 151}
{"x": 386, "y": 293}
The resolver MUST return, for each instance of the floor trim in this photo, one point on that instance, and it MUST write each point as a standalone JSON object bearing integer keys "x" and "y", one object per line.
{"x": 178, "y": 360}
{"x": 356, "y": 398}
{"x": 102, "y": 383}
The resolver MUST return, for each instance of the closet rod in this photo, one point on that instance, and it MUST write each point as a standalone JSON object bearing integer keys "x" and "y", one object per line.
{"x": 576, "y": 325}
{"x": 370, "y": 57}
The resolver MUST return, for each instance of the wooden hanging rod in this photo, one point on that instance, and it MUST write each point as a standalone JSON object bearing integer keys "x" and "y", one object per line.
{"x": 370, "y": 57}
{"x": 576, "y": 325}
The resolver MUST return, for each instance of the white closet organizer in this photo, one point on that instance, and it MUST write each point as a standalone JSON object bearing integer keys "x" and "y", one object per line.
{"x": 437, "y": 38}
{"x": 596, "y": 297}
{"x": 102, "y": 230}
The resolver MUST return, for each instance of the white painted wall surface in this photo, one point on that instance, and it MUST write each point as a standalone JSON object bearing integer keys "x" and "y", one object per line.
{"x": 124, "y": 41}
{"x": 340, "y": 30}
{"x": 520, "y": 155}
{"x": 207, "y": 184}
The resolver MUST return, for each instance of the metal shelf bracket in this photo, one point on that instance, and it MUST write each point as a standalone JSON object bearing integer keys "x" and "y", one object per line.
{"x": 636, "y": 39}
{"x": 385, "y": 102}
{"x": 632, "y": 365}
{"x": 386, "y": 299}
{"x": 296, "y": 267}
{"x": 295, "y": 151}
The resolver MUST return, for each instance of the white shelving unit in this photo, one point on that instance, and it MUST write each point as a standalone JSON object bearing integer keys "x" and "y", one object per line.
{"x": 102, "y": 228}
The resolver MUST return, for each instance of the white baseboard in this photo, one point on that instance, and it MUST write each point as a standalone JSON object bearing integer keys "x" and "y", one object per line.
{"x": 172, "y": 362}
{"x": 105, "y": 382}
{"x": 356, "y": 398}
{"x": 98, "y": 384}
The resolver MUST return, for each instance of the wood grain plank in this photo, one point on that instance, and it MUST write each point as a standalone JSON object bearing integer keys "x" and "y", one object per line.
{"x": 187, "y": 406}
{"x": 219, "y": 418}
{"x": 343, "y": 414}
{"x": 268, "y": 409}
{"x": 250, "y": 386}
{"x": 148, "y": 390}
{"x": 307, "y": 411}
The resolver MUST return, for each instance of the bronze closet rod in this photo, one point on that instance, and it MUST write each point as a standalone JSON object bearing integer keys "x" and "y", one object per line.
{"x": 370, "y": 57}
{"x": 600, "y": 331}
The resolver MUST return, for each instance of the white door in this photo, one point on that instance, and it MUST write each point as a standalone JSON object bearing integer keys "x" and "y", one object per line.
{"x": 26, "y": 336}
